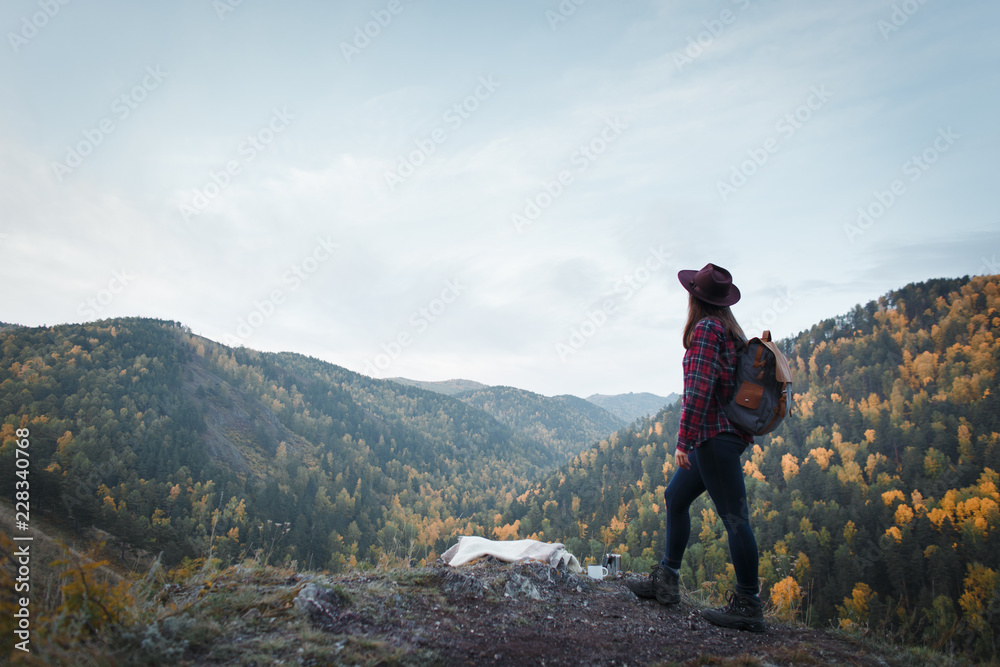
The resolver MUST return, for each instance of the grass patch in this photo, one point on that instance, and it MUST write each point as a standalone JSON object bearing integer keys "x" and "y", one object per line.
{"x": 904, "y": 656}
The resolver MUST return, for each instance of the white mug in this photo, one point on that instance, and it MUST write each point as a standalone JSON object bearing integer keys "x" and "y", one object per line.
{"x": 597, "y": 571}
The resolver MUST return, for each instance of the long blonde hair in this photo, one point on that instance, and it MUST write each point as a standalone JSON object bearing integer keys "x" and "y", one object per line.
{"x": 699, "y": 310}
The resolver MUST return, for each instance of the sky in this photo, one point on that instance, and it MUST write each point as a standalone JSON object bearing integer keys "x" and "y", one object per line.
{"x": 501, "y": 192}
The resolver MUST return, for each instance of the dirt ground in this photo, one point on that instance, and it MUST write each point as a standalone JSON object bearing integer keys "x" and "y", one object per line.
{"x": 484, "y": 613}
{"x": 492, "y": 613}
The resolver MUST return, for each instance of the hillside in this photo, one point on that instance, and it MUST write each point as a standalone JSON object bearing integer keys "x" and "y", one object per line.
{"x": 563, "y": 424}
{"x": 566, "y": 424}
{"x": 875, "y": 505}
{"x": 159, "y": 437}
{"x": 631, "y": 406}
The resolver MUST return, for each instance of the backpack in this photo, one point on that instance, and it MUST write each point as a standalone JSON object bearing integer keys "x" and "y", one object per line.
{"x": 763, "y": 396}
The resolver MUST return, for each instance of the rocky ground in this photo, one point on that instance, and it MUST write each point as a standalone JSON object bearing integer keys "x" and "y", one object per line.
{"x": 492, "y": 613}
{"x": 550, "y": 618}
{"x": 483, "y": 613}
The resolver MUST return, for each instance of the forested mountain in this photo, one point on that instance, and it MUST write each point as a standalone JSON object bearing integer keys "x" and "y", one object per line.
{"x": 874, "y": 505}
{"x": 446, "y": 387}
{"x": 545, "y": 416}
{"x": 165, "y": 439}
{"x": 631, "y": 406}
{"x": 566, "y": 424}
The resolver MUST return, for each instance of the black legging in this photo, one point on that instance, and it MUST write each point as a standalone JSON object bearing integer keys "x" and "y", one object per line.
{"x": 715, "y": 467}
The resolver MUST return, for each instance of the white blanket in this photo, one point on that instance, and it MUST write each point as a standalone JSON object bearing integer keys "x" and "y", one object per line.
{"x": 471, "y": 547}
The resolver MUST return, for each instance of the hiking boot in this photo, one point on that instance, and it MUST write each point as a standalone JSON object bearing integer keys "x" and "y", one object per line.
{"x": 742, "y": 613}
{"x": 662, "y": 584}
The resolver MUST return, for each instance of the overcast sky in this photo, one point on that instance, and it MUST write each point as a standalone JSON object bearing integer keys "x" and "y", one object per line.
{"x": 498, "y": 191}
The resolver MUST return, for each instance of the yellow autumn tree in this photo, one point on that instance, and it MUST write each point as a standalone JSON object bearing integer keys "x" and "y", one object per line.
{"x": 980, "y": 589}
{"x": 610, "y": 534}
{"x": 508, "y": 531}
{"x": 850, "y": 530}
{"x": 855, "y": 610}
{"x": 789, "y": 466}
{"x": 786, "y": 595}
{"x": 889, "y": 497}
{"x": 822, "y": 456}
{"x": 904, "y": 515}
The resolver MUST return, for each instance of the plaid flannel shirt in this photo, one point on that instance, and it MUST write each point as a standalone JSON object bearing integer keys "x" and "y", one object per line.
{"x": 709, "y": 366}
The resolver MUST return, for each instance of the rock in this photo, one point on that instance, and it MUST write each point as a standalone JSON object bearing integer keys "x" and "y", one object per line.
{"x": 521, "y": 586}
{"x": 463, "y": 585}
{"x": 325, "y": 607}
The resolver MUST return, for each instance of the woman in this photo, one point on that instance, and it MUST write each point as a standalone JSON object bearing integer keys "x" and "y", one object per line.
{"x": 708, "y": 451}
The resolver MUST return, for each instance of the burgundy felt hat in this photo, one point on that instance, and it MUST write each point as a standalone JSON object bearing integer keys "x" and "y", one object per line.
{"x": 712, "y": 284}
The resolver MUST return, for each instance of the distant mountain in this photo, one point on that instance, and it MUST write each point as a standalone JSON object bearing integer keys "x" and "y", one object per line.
{"x": 565, "y": 424}
{"x": 446, "y": 387}
{"x": 159, "y": 437}
{"x": 629, "y": 407}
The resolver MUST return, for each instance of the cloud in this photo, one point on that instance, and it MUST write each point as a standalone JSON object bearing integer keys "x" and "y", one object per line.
{"x": 655, "y": 185}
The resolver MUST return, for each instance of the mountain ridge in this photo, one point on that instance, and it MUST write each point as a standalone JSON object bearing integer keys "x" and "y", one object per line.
{"x": 632, "y": 406}
{"x": 567, "y": 423}
{"x": 446, "y": 387}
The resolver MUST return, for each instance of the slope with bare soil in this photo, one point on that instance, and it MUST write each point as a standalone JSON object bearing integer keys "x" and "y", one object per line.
{"x": 495, "y": 613}
{"x": 486, "y": 613}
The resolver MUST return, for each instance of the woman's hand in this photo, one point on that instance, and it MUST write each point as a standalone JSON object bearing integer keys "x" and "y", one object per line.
{"x": 682, "y": 460}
